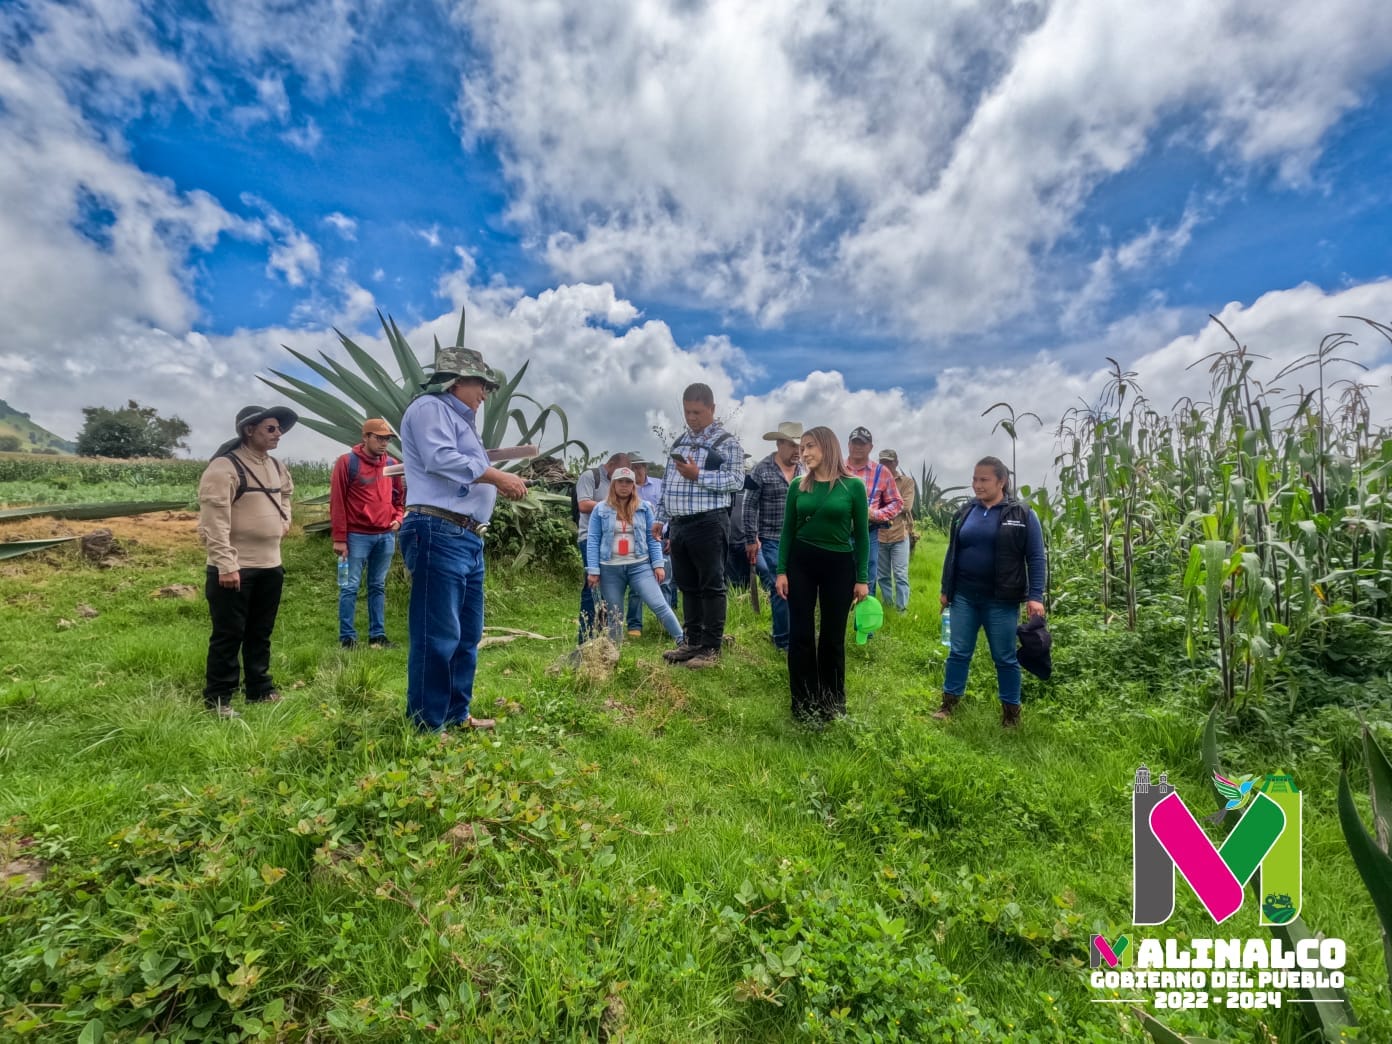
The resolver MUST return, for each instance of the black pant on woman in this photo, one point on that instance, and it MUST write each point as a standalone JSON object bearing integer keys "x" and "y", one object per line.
{"x": 817, "y": 663}
{"x": 242, "y": 624}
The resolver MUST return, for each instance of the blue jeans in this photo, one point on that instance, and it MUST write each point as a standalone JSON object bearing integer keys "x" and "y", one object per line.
{"x": 372, "y": 551}
{"x": 635, "y": 608}
{"x": 894, "y": 574}
{"x": 1000, "y": 620}
{"x": 587, "y": 598}
{"x": 874, "y": 557}
{"x": 767, "y": 565}
{"x": 446, "y": 619}
{"x": 642, "y": 582}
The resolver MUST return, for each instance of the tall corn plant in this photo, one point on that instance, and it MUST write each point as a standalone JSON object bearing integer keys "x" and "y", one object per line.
{"x": 348, "y": 396}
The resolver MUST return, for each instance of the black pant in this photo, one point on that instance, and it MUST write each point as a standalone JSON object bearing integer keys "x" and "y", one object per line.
{"x": 817, "y": 663}
{"x": 698, "y": 563}
{"x": 242, "y": 624}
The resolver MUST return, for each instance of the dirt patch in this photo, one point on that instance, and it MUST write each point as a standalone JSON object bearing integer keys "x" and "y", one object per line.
{"x": 159, "y": 529}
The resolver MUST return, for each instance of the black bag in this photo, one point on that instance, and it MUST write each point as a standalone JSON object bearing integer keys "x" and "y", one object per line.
{"x": 1035, "y": 645}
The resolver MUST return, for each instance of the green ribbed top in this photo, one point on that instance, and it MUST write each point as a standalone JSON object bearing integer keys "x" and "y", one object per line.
{"x": 833, "y": 516}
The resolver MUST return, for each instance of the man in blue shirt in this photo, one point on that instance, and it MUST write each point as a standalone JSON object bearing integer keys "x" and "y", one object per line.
{"x": 450, "y": 491}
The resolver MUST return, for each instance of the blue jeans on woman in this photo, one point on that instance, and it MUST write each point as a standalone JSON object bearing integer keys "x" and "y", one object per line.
{"x": 1000, "y": 619}
{"x": 639, "y": 579}
{"x": 445, "y": 618}
{"x": 373, "y": 552}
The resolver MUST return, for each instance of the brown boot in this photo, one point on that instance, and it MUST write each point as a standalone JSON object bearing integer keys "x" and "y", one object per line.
{"x": 949, "y": 704}
{"x": 1010, "y": 715}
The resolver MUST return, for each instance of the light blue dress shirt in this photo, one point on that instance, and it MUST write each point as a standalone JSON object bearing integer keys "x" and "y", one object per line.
{"x": 445, "y": 458}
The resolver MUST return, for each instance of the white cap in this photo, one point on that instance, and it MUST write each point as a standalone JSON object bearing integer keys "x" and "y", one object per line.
{"x": 623, "y": 473}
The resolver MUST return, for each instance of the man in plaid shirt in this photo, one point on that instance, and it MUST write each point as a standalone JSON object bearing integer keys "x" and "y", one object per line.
{"x": 707, "y": 467}
{"x": 763, "y": 516}
{"x": 880, "y": 487}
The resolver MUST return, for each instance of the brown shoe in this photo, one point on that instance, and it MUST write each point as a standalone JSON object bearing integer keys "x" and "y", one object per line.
{"x": 1010, "y": 715}
{"x": 703, "y": 659}
{"x": 682, "y": 653}
{"x": 271, "y": 697}
{"x": 481, "y": 724}
{"x": 949, "y": 704}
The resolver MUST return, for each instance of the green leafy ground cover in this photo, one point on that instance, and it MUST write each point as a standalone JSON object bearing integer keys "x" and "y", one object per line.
{"x": 659, "y": 856}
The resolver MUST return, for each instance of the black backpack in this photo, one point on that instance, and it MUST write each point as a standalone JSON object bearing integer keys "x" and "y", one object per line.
{"x": 575, "y": 499}
{"x": 244, "y": 483}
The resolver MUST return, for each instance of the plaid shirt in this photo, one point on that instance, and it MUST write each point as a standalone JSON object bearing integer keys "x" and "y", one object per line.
{"x": 763, "y": 511}
{"x": 885, "y": 501}
{"x": 712, "y": 489}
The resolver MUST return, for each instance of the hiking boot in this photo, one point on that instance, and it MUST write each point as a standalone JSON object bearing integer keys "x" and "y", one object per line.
{"x": 480, "y": 724}
{"x": 634, "y": 632}
{"x": 682, "y": 653}
{"x": 222, "y": 710}
{"x": 703, "y": 659}
{"x": 1010, "y": 715}
{"x": 266, "y": 697}
{"x": 381, "y": 643}
{"x": 348, "y": 643}
{"x": 949, "y": 704}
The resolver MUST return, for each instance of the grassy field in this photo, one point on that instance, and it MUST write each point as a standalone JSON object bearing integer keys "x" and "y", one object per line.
{"x": 661, "y": 855}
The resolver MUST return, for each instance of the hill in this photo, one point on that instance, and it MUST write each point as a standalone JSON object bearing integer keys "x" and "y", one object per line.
{"x": 32, "y": 437}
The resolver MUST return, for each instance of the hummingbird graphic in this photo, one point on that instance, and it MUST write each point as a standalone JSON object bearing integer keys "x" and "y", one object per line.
{"x": 1236, "y": 792}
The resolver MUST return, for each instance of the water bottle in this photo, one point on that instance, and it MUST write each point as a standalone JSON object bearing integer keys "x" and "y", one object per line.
{"x": 947, "y": 627}
{"x": 345, "y": 581}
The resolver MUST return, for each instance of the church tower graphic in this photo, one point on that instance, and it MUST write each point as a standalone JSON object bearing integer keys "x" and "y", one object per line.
{"x": 1152, "y": 870}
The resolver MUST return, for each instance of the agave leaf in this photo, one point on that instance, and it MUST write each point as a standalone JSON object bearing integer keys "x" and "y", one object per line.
{"x": 382, "y": 381}
{"x": 332, "y": 409}
{"x": 1162, "y": 1034}
{"x": 93, "y": 512}
{"x": 1331, "y": 1011}
{"x": 459, "y": 337}
{"x": 412, "y": 373}
{"x": 15, "y": 548}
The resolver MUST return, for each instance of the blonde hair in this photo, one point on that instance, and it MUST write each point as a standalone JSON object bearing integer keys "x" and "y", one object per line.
{"x": 626, "y": 508}
{"x": 832, "y": 461}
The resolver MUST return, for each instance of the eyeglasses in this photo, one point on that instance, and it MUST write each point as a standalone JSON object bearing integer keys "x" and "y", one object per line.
{"x": 274, "y": 429}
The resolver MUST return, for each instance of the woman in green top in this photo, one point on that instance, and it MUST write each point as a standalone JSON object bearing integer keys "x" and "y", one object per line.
{"x": 822, "y": 558}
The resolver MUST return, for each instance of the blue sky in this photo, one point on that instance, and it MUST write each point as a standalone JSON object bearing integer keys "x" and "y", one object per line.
{"x": 937, "y": 209}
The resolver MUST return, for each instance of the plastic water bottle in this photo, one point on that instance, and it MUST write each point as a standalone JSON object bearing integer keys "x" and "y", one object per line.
{"x": 947, "y": 627}
{"x": 343, "y": 578}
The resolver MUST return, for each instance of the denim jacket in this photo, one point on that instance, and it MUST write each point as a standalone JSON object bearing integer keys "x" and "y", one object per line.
{"x": 602, "y": 535}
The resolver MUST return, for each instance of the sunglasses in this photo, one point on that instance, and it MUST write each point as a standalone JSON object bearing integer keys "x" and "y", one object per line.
{"x": 274, "y": 429}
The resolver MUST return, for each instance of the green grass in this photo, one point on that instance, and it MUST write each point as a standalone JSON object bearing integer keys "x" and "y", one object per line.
{"x": 662, "y": 856}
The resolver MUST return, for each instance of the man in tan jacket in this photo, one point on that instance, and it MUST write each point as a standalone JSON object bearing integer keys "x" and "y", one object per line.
{"x": 243, "y": 511}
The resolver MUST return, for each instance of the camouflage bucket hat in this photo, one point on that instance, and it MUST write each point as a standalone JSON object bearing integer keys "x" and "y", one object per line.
{"x": 459, "y": 362}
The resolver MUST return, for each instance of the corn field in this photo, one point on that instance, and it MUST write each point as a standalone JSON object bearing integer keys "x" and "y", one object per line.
{"x": 1259, "y": 515}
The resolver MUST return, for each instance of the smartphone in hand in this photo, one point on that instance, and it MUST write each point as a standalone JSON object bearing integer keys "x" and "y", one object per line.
{"x": 679, "y": 458}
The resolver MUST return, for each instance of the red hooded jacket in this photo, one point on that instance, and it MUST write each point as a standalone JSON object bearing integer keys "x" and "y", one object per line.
{"x": 369, "y": 503}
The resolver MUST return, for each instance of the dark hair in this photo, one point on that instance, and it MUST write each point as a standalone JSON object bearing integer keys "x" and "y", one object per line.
{"x": 699, "y": 393}
{"x": 618, "y": 460}
{"x": 998, "y": 466}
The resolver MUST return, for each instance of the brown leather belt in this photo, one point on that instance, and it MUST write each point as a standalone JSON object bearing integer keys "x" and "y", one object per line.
{"x": 464, "y": 521}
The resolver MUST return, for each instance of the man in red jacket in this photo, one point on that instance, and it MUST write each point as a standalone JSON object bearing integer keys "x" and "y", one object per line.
{"x": 365, "y": 509}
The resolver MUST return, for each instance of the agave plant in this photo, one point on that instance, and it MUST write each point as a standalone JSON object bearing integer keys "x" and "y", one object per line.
{"x": 348, "y": 397}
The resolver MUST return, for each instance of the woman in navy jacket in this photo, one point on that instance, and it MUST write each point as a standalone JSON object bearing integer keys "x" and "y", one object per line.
{"x": 994, "y": 561}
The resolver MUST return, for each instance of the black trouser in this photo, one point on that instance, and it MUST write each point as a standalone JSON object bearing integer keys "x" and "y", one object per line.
{"x": 817, "y": 663}
{"x": 698, "y": 563}
{"x": 242, "y": 624}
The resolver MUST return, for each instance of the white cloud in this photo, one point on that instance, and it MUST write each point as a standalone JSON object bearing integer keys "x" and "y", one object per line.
{"x": 342, "y": 224}
{"x": 918, "y": 161}
{"x": 431, "y": 235}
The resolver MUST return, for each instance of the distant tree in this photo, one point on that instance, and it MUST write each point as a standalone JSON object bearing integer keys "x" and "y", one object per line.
{"x": 11, "y": 443}
{"x": 131, "y": 431}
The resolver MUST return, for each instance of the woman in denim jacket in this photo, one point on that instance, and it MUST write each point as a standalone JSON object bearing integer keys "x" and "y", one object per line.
{"x": 622, "y": 552}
